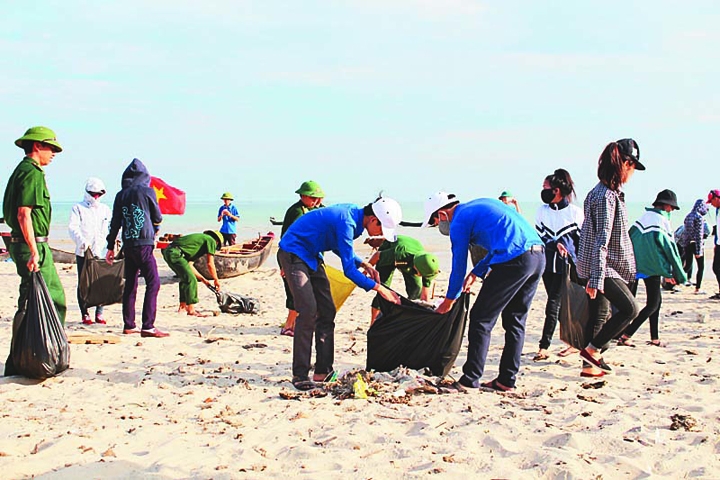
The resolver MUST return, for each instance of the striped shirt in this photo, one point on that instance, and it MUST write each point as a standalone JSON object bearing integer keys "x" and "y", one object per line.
{"x": 605, "y": 246}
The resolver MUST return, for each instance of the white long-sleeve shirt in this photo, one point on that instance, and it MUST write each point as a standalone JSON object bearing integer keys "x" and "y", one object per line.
{"x": 89, "y": 226}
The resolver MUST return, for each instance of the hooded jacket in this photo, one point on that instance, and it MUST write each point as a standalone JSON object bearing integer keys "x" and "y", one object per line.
{"x": 655, "y": 251}
{"x": 695, "y": 227}
{"x": 135, "y": 209}
{"x": 90, "y": 221}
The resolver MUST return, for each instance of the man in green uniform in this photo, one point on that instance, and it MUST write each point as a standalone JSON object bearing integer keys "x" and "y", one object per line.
{"x": 311, "y": 197}
{"x": 27, "y": 211}
{"x": 186, "y": 249}
{"x": 418, "y": 267}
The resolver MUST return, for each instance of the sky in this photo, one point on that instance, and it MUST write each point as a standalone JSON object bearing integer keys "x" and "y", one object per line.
{"x": 404, "y": 96}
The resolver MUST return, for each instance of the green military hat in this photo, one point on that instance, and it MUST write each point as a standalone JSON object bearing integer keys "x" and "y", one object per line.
{"x": 311, "y": 189}
{"x": 39, "y": 134}
{"x": 506, "y": 193}
{"x": 427, "y": 265}
{"x": 216, "y": 235}
{"x": 227, "y": 196}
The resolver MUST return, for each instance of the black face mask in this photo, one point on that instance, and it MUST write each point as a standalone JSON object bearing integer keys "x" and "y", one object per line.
{"x": 547, "y": 195}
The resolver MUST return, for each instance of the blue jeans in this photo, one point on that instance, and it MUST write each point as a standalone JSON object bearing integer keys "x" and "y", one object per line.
{"x": 507, "y": 291}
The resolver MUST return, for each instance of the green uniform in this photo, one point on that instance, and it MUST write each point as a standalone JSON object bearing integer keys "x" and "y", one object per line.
{"x": 400, "y": 255}
{"x": 27, "y": 188}
{"x": 178, "y": 256}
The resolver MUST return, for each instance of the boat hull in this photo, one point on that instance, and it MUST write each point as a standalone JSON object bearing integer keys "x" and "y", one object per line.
{"x": 244, "y": 260}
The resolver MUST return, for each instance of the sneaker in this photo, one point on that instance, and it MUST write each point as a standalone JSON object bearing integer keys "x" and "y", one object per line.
{"x": 86, "y": 319}
{"x": 715, "y": 297}
{"x": 130, "y": 331}
{"x": 154, "y": 333}
{"x": 100, "y": 319}
{"x": 700, "y": 292}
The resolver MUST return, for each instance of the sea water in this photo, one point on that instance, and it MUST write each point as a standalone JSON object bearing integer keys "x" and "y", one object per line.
{"x": 255, "y": 220}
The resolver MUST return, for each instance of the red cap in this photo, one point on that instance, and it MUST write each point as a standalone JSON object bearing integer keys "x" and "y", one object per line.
{"x": 713, "y": 194}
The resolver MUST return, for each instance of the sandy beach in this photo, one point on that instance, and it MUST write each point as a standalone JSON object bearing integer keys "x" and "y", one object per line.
{"x": 207, "y": 402}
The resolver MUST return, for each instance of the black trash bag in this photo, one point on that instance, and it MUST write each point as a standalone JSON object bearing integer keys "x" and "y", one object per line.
{"x": 235, "y": 303}
{"x": 101, "y": 283}
{"x": 574, "y": 310}
{"x": 416, "y": 337}
{"x": 39, "y": 346}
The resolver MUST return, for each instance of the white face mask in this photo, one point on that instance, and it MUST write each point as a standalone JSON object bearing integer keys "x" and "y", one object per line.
{"x": 444, "y": 227}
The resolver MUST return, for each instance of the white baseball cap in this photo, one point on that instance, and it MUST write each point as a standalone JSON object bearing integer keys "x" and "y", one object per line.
{"x": 435, "y": 202}
{"x": 389, "y": 213}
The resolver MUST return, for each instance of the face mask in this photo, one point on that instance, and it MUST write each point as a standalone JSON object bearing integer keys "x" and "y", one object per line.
{"x": 444, "y": 227}
{"x": 547, "y": 195}
{"x": 90, "y": 199}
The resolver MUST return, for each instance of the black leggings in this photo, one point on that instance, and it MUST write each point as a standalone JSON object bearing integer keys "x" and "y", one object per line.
{"x": 600, "y": 329}
{"x": 688, "y": 257}
{"x": 651, "y": 310}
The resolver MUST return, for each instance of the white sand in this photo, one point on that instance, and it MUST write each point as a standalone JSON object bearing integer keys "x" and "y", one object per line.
{"x": 182, "y": 407}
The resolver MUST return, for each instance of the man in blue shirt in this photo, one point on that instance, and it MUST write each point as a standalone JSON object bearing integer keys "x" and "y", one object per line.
{"x": 301, "y": 257}
{"x": 516, "y": 261}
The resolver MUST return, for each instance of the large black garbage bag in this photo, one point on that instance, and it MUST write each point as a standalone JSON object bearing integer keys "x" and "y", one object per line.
{"x": 416, "y": 337}
{"x": 574, "y": 310}
{"x": 235, "y": 303}
{"x": 39, "y": 346}
{"x": 101, "y": 283}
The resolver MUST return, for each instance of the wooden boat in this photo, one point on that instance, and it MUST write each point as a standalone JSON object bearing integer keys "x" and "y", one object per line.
{"x": 59, "y": 256}
{"x": 238, "y": 259}
{"x": 402, "y": 223}
{"x": 62, "y": 256}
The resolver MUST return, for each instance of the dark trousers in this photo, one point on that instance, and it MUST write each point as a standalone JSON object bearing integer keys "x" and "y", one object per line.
{"x": 80, "y": 261}
{"x": 228, "y": 238}
{"x": 716, "y": 264}
{"x": 602, "y": 329}
{"x": 553, "y": 283}
{"x": 651, "y": 310}
{"x": 688, "y": 258}
{"x": 507, "y": 292}
{"x": 139, "y": 260}
{"x": 316, "y": 315}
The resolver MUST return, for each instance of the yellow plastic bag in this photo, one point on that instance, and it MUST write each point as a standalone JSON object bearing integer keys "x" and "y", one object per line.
{"x": 340, "y": 286}
{"x": 360, "y": 388}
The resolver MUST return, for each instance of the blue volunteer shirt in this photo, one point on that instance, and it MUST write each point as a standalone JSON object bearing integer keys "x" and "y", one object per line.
{"x": 329, "y": 229}
{"x": 228, "y": 224}
{"x": 491, "y": 224}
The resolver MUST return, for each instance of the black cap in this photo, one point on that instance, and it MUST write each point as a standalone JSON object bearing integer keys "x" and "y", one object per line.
{"x": 629, "y": 148}
{"x": 667, "y": 197}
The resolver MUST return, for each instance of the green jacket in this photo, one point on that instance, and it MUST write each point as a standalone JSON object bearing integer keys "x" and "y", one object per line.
{"x": 655, "y": 251}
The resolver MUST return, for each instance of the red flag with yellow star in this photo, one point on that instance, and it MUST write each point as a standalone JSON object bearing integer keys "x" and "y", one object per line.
{"x": 171, "y": 200}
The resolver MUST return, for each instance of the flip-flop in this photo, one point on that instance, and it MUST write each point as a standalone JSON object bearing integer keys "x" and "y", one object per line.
{"x": 625, "y": 342}
{"x": 658, "y": 344}
{"x": 496, "y": 386}
{"x": 328, "y": 377}
{"x": 303, "y": 384}
{"x": 567, "y": 352}
{"x": 288, "y": 332}
{"x": 540, "y": 356}
{"x": 592, "y": 375}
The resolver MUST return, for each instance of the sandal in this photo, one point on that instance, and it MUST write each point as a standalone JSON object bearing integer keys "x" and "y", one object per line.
{"x": 625, "y": 341}
{"x": 496, "y": 386}
{"x": 303, "y": 383}
{"x": 657, "y": 343}
{"x": 324, "y": 377}
{"x": 541, "y": 355}
{"x": 567, "y": 352}
{"x": 288, "y": 332}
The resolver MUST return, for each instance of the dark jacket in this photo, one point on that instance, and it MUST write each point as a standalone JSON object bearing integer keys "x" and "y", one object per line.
{"x": 135, "y": 210}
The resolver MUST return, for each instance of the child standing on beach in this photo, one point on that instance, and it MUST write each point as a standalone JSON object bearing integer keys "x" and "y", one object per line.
{"x": 228, "y": 215}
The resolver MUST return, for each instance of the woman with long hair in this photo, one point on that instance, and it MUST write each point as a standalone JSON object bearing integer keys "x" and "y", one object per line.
{"x": 605, "y": 258}
{"x": 558, "y": 223}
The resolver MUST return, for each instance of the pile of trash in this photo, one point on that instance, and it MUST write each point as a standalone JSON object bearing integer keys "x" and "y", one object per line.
{"x": 396, "y": 386}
